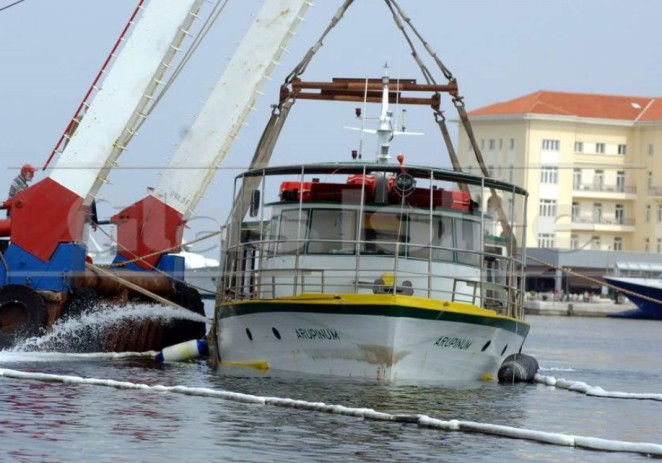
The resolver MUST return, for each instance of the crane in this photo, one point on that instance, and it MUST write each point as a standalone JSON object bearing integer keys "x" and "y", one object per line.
{"x": 46, "y": 248}
{"x": 153, "y": 226}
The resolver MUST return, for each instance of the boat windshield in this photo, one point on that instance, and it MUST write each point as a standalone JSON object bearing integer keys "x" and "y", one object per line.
{"x": 335, "y": 231}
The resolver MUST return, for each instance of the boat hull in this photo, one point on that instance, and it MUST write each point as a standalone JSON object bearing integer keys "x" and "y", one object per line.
{"x": 646, "y": 309}
{"x": 389, "y": 338}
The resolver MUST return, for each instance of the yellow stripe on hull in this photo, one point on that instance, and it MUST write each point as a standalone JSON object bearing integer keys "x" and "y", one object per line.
{"x": 256, "y": 364}
{"x": 383, "y": 299}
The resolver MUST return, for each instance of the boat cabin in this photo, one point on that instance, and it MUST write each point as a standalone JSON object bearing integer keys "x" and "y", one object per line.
{"x": 369, "y": 229}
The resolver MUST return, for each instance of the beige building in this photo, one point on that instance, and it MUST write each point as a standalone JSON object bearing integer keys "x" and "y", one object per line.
{"x": 591, "y": 164}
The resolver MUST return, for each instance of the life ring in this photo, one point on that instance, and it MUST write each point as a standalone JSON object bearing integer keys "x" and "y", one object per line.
{"x": 22, "y": 313}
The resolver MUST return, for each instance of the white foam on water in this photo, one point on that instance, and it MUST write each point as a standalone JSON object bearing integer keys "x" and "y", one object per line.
{"x": 36, "y": 357}
{"x": 595, "y": 391}
{"x": 557, "y": 369}
{"x": 68, "y": 333}
{"x": 591, "y": 443}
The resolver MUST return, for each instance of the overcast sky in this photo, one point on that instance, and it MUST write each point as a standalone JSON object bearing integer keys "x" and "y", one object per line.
{"x": 51, "y": 50}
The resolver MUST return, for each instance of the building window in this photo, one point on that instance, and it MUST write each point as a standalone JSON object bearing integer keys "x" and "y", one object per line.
{"x": 579, "y": 147}
{"x": 500, "y": 143}
{"x": 511, "y": 173}
{"x": 598, "y": 180}
{"x": 549, "y": 174}
{"x": 482, "y": 143}
{"x": 650, "y": 149}
{"x": 548, "y": 208}
{"x": 623, "y": 149}
{"x": 618, "y": 243}
{"x": 647, "y": 245}
{"x": 659, "y": 213}
{"x": 575, "y": 212}
{"x": 659, "y": 245}
{"x": 574, "y": 241}
{"x": 491, "y": 144}
{"x": 550, "y": 145}
{"x": 545, "y": 240}
{"x": 600, "y": 148}
{"x": 619, "y": 214}
{"x": 648, "y": 213}
{"x": 650, "y": 179}
{"x": 576, "y": 179}
{"x": 597, "y": 212}
{"x": 620, "y": 181}
{"x": 595, "y": 242}
{"x": 512, "y": 143}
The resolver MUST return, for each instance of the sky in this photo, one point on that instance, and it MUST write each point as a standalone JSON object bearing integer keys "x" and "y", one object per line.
{"x": 51, "y": 51}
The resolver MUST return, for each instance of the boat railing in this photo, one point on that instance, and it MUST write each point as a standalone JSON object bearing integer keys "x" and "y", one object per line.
{"x": 250, "y": 277}
{"x": 266, "y": 280}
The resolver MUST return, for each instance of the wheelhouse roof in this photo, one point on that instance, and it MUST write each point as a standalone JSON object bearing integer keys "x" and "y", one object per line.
{"x": 350, "y": 168}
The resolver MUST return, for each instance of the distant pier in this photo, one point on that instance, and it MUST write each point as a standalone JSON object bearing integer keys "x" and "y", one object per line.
{"x": 600, "y": 308}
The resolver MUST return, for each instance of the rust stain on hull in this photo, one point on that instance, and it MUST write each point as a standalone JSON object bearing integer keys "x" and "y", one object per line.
{"x": 368, "y": 353}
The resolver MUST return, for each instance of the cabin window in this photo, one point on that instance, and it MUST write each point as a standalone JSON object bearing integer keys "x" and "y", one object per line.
{"x": 423, "y": 240}
{"x": 291, "y": 231}
{"x": 382, "y": 232}
{"x": 468, "y": 238}
{"x": 332, "y": 232}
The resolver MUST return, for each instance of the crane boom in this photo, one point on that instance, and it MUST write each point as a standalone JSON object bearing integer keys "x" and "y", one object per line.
{"x": 52, "y": 211}
{"x": 156, "y": 222}
{"x": 228, "y": 106}
{"x": 115, "y": 112}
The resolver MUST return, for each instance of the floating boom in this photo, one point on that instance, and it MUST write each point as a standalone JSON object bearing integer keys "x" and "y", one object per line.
{"x": 155, "y": 223}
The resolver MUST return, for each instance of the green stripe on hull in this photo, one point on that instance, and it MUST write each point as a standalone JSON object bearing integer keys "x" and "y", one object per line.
{"x": 246, "y": 308}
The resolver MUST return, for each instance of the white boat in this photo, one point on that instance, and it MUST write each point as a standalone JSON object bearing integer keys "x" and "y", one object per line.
{"x": 371, "y": 270}
{"x": 641, "y": 283}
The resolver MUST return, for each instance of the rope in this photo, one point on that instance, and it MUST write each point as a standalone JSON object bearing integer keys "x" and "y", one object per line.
{"x": 133, "y": 286}
{"x": 10, "y": 5}
{"x": 163, "y": 251}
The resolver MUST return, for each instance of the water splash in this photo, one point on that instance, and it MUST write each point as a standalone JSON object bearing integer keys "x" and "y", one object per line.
{"x": 82, "y": 332}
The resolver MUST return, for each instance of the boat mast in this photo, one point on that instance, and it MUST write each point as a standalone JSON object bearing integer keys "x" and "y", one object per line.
{"x": 385, "y": 131}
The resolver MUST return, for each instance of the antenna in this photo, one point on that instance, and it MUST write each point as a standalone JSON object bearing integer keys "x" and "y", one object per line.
{"x": 385, "y": 131}
{"x": 361, "y": 114}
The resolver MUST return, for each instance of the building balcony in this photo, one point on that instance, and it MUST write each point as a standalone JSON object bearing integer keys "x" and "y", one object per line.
{"x": 612, "y": 224}
{"x": 616, "y": 192}
{"x": 655, "y": 191}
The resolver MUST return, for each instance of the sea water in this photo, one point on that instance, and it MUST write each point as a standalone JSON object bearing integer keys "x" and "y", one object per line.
{"x": 64, "y": 407}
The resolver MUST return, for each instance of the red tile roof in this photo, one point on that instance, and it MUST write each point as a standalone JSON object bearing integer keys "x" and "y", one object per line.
{"x": 579, "y": 105}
